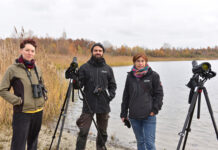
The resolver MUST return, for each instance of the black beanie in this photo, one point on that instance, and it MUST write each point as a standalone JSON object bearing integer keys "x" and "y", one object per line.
{"x": 98, "y": 44}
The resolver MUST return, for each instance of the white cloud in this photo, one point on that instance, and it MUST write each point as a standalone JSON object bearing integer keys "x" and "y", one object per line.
{"x": 182, "y": 23}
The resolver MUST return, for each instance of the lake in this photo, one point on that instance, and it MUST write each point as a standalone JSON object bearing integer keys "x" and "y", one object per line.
{"x": 170, "y": 120}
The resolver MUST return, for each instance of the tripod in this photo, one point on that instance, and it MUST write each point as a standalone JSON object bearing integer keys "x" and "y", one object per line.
{"x": 63, "y": 109}
{"x": 199, "y": 86}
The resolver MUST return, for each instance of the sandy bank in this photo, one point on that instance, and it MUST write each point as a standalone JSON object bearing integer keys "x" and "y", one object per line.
{"x": 68, "y": 140}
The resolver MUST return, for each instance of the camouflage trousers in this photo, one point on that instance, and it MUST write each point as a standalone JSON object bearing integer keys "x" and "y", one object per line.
{"x": 84, "y": 123}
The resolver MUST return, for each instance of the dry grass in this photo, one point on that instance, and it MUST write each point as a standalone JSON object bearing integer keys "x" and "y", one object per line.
{"x": 63, "y": 61}
{"x": 55, "y": 84}
{"x": 7, "y": 56}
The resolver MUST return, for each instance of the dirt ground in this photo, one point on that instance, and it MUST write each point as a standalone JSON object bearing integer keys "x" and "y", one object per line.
{"x": 68, "y": 141}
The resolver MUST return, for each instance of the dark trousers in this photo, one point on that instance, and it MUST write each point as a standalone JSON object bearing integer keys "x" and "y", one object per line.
{"x": 26, "y": 127}
{"x": 84, "y": 123}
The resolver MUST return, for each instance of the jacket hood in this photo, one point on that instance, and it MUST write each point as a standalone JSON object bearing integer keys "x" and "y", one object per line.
{"x": 19, "y": 64}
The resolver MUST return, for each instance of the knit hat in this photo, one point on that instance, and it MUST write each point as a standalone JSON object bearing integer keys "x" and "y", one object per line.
{"x": 98, "y": 44}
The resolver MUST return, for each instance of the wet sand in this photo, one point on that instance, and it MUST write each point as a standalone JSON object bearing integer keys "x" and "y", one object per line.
{"x": 68, "y": 140}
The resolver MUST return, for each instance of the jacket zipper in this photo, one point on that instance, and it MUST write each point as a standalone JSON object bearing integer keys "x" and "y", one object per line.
{"x": 34, "y": 100}
{"x": 95, "y": 87}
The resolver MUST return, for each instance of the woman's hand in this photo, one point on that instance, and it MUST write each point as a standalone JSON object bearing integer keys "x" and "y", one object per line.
{"x": 152, "y": 114}
{"x": 123, "y": 119}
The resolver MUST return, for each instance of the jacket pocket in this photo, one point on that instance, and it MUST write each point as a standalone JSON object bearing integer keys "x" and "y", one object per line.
{"x": 40, "y": 102}
{"x": 106, "y": 97}
{"x": 140, "y": 110}
{"x": 146, "y": 85}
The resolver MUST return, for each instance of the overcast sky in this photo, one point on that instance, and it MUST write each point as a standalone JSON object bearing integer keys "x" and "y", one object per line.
{"x": 146, "y": 23}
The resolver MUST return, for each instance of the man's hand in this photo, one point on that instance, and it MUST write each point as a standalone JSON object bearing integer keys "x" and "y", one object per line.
{"x": 123, "y": 119}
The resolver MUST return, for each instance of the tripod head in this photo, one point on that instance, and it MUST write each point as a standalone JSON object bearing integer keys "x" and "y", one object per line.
{"x": 202, "y": 73}
{"x": 72, "y": 71}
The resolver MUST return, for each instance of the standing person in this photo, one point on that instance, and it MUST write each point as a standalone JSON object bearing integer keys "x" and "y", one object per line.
{"x": 99, "y": 84}
{"x": 142, "y": 98}
{"x": 25, "y": 77}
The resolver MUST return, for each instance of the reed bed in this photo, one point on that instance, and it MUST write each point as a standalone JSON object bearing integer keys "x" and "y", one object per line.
{"x": 55, "y": 83}
{"x": 53, "y": 66}
{"x": 63, "y": 61}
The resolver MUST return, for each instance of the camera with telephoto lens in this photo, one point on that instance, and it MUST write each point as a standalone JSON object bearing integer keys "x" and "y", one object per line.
{"x": 202, "y": 70}
{"x": 71, "y": 72}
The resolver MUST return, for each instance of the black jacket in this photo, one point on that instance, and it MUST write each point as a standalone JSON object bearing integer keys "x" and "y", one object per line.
{"x": 142, "y": 95}
{"x": 93, "y": 76}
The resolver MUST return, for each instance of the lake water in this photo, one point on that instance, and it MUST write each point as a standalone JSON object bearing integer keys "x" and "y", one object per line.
{"x": 170, "y": 120}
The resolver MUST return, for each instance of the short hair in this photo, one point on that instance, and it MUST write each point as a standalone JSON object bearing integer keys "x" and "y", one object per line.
{"x": 27, "y": 41}
{"x": 138, "y": 55}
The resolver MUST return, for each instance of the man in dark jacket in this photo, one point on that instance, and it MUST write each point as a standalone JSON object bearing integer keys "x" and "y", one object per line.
{"x": 99, "y": 84}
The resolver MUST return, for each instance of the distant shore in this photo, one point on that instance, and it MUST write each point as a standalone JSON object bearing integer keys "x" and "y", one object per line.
{"x": 63, "y": 61}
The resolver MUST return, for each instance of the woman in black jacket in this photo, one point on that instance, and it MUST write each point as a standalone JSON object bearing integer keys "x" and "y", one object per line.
{"x": 142, "y": 99}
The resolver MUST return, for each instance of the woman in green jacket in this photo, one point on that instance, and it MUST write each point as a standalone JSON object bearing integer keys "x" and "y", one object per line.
{"x": 28, "y": 97}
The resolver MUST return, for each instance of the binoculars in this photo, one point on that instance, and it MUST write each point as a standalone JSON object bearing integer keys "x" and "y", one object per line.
{"x": 39, "y": 91}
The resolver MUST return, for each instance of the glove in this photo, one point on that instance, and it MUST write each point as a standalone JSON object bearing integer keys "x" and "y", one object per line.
{"x": 127, "y": 123}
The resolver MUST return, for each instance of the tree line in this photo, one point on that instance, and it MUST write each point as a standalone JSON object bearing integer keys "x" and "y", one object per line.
{"x": 66, "y": 46}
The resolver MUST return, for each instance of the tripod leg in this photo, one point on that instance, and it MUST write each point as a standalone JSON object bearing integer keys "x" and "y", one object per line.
{"x": 199, "y": 103}
{"x": 62, "y": 109}
{"x": 188, "y": 129}
{"x": 64, "y": 117}
{"x": 210, "y": 111}
{"x": 188, "y": 118}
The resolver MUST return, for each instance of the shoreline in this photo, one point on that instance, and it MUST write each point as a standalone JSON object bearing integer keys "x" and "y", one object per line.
{"x": 63, "y": 61}
{"x": 68, "y": 140}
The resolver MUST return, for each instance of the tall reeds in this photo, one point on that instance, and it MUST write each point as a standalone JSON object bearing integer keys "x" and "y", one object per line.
{"x": 53, "y": 78}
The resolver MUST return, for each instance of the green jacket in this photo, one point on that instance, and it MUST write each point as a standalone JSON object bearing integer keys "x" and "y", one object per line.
{"x": 22, "y": 99}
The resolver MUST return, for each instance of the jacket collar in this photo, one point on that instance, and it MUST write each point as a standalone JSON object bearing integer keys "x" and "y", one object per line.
{"x": 21, "y": 65}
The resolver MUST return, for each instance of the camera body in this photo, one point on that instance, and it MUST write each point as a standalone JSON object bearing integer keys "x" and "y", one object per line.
{"x": 71, "y": 72}
{"x": 97, "y": 91}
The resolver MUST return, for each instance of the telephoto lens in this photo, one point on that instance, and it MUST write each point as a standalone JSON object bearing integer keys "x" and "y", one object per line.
{"x": 71, "y": 71}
